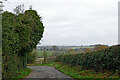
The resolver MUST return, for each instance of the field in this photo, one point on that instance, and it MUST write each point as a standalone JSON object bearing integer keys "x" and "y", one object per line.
{"x": 82, "y": 47}
{"x": 40, "y": 54}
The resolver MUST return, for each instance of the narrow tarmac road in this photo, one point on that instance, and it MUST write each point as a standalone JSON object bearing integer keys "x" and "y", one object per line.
{"x": 47, "y": 73}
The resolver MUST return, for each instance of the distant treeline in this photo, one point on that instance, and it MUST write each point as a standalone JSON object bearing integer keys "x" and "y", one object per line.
{"x": 75, "y": 48}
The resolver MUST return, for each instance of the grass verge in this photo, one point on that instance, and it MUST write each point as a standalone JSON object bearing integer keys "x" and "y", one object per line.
{"x": 78, "y": 74}
{"x": 23, "y": 73}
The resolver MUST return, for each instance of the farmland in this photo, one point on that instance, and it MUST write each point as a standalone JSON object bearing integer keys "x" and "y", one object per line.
{"x": 40, "y": 54}
{"x": 60, "y": 50}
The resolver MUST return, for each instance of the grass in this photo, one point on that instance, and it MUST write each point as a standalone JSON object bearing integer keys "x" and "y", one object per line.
{"x": 40, "y": 53}
{"x": 77, "y": 73}
{"x": 23, "y": 73}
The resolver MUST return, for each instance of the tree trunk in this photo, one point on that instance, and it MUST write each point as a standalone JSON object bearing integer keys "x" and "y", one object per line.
{"x": 45, "y": 56}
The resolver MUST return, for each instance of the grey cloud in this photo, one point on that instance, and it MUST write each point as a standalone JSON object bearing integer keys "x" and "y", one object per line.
{"x": 75, "y": 22}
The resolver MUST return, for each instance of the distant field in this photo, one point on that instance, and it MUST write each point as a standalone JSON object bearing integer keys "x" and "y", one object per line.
{"x": 40, "y": 53}
{"x": 82, "y": 47}
{"x": 51, "y": 53}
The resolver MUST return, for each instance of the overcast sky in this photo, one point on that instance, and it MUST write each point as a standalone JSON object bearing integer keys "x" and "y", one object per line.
{"x": 75, "y": 22}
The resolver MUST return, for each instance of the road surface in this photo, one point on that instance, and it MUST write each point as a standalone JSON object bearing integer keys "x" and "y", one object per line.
{"x": 46, "y": 73}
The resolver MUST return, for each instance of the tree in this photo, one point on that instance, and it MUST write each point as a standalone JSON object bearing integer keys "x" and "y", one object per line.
{"x": 19, "y": 9}
{"x": 70, "y": 51}
{"x": 45, "y": 56}
{"x": 99, "y": 47}
{"x": 54, "y": 48}
{"x": 88, "y": 50}
{"x": 30, "y": 8}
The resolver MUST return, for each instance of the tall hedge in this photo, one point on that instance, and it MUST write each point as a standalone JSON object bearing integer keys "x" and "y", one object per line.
{"x": 107, "y": 59}
{"x": 20, "y": 35}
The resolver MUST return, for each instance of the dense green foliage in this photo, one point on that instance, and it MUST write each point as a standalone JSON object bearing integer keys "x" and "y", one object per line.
{"x": 20, "y": 35}
{"x": 31, "y": 57}
{"x": 103, "y": 60}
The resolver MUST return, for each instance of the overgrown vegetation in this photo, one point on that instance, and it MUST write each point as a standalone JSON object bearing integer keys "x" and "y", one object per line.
{"x": 20, "y": 35}
{"x": 100, "y": 61}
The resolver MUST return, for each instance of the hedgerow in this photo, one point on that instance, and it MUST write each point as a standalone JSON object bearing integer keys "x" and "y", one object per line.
{"x": 20, "y": 35}
{"x": 103, "y": 60}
